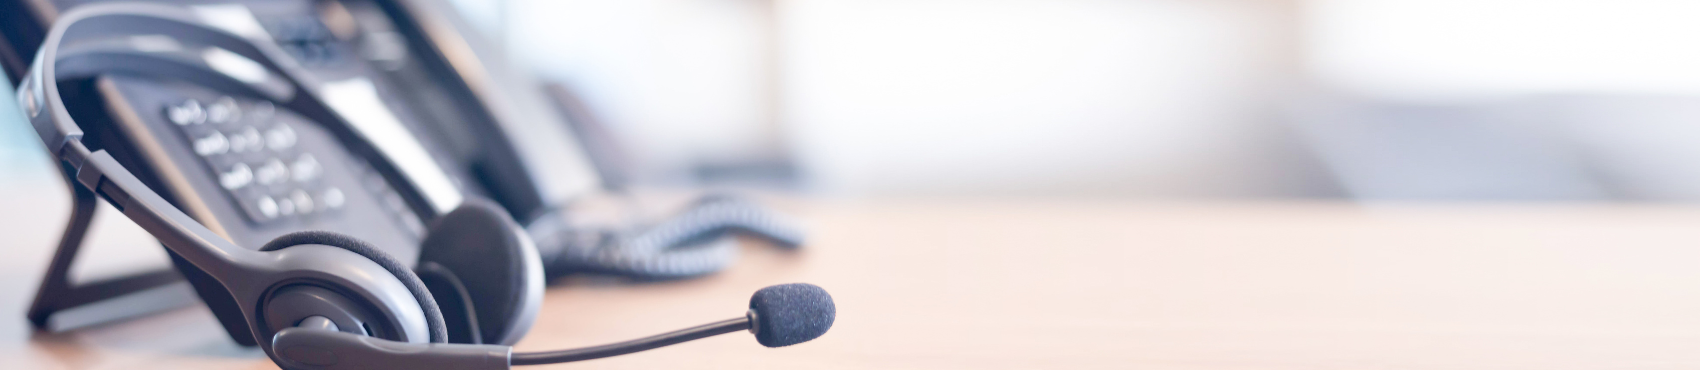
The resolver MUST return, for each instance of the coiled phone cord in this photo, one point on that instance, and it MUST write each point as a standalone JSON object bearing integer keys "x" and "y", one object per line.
{"x": 689, "y": 244}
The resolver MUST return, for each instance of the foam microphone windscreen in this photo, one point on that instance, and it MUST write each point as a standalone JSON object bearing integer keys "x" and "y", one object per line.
{"x": 791, "y": 313}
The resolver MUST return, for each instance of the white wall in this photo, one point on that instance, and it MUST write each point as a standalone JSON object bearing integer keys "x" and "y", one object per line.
{"x": 1130, "y": 97}
{"x": 682, "y": 81}
{"x": 1147, "y": 98}
{"x": 1450, "y": 49}
{"x": 1585, "y": 99}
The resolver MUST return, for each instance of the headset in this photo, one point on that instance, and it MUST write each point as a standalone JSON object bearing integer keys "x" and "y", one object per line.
{"x": 321, "y": 300}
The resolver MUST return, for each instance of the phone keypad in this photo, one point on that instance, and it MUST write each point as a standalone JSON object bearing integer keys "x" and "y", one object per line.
{"x": 255, "y": 156}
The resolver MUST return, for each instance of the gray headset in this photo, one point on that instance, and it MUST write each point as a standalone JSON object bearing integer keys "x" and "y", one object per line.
{"x": 321, "y": 300}
{"x": 313, "y": 278}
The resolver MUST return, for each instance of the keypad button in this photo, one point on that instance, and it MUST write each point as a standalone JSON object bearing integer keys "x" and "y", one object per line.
{"x": 280, "y": 137}
{"x": 223, "y": 110}
{"x": 303, "y": 201}
{"x": 267, "y": 206}
{"x": 237, "y": 177}
{"x": 271, "y": 172}
{"x": 212, "y": 144}
{"x": 332, "y": 198}
{"x": 285, "y": 207}
{"x": 305, "y": 168}
{"x": 189, "y": 112}
{"x": 247, "y": 139}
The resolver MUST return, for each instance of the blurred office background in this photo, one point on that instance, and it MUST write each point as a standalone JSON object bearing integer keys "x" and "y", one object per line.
{"x": 1361, "y": 99}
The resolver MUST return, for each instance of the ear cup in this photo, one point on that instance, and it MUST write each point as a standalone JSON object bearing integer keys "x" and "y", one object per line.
{"x": 433, "y": 314}
{"x": 496, "y": 265}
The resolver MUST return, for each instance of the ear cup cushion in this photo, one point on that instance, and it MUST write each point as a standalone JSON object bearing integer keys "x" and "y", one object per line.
{"x": 495, "y": 261}
{"x": 433, "y": 314}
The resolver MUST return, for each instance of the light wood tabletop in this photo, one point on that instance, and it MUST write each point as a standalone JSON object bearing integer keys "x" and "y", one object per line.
{"x": 1054, "y": 284}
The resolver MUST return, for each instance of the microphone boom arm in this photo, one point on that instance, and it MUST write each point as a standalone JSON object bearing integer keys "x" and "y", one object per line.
{"x": 311, "y": 347}
{"x": 635, "y": 345}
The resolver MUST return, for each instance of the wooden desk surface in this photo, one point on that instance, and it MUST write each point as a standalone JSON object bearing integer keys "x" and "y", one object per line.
{"x": 1098, "y": 284}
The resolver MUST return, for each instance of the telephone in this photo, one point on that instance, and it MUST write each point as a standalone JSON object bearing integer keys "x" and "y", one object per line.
{"x": 435, "y": 126}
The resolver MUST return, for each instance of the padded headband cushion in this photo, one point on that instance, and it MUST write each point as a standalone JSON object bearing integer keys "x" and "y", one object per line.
{"x": 486, "y": 251}
{"x": 433, "y": 314}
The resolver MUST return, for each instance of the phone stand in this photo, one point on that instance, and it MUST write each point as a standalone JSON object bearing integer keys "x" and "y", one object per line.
{"x": 60, "y": 305}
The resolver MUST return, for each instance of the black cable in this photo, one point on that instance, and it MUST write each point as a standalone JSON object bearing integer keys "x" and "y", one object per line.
{"x": 635, "y": 345}
{"x": 688, "y": 244}
{"x": 434, "y": 271}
